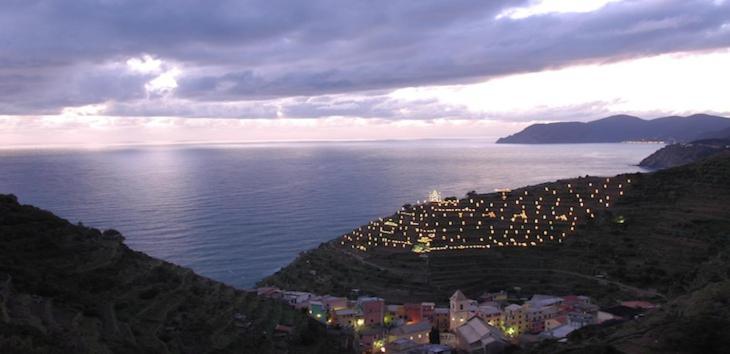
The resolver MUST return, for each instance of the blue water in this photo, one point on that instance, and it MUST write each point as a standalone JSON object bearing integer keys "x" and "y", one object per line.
{"x": 237, "y": 213}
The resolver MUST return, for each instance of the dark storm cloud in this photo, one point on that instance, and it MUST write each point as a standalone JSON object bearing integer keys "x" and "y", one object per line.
{"x": 60, "y": 53}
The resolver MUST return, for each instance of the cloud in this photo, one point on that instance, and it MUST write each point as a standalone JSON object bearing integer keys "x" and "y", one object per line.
{"x": 542, "y": 7}
{"x": 57, "y": 54}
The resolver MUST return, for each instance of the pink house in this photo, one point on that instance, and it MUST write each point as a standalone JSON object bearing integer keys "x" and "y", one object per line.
{"x": 373, "y": 310}
{"x": 413, "y": 312}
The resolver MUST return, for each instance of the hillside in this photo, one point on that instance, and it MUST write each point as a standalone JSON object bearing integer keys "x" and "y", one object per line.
{"x": 681, "y": 154}
{"x": 67, "y": 288}
{"x": 649, "y": 243}
{"x": 621, "y": 128}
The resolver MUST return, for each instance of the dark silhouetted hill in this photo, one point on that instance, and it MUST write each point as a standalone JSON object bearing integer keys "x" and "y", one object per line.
{"x": 67, "y": 288}
{"x": 621, "y": 128}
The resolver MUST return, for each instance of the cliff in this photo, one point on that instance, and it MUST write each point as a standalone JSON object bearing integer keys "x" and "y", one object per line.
{"x": 67, "y": 288}
{"x": 681, "y": 154}
{"x": 621, "y": 128}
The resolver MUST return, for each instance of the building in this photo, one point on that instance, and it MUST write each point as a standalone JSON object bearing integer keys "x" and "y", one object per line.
{"x": 373, "y": 310}
{"x": 461, "y": 309}
{"x": 490, "y": 314}
{"x": 417, "y": 332}
{"x": 346, "y": 318}
{"x": 413, "y": 312}
{"x": 318, "y": 311}
{"x": 435, "y": 197}
{"x": 334, "y": 303}
{"x": 371, "y": 338}
{"x": 400, "y": 346}
{"x": 476, "y": 336}
{"x": 515, "y": 321}
{"x": 297, "y": 299}
{"x": 536, "y": 317}
{"x": 394, "y": 315}
{"x": 500, "y": 296}
{"x": 538, "y": 301}
{"x": 427, "y": 310}
{"x": 441, "y": 319}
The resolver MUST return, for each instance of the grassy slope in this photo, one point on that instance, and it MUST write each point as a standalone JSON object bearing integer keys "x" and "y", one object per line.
{"x": 68, "y": 288}
{"x": 675, "y": 220}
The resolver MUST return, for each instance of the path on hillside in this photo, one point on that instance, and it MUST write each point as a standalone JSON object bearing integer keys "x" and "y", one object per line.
{"x": 638, "y": 291}
{"x": 622, "y": 286}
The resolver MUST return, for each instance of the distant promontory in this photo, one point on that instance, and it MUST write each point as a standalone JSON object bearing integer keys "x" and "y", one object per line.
{"x": 622, "y": 128}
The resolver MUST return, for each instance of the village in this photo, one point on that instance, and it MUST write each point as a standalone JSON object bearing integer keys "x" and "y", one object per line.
{"x": 528, "y": 217}
{"x": 490, "y": 324}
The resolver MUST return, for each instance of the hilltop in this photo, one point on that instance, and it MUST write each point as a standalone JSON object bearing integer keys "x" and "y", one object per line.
{"x": 70, "y": 288}
{"x": 621, "y": 128}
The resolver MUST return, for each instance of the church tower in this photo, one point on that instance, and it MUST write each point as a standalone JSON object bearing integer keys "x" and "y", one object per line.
{"x": 461, "y": 309}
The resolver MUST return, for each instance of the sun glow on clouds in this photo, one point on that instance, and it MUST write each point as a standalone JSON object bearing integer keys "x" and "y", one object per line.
{"x": 682, "y": 83}
{"x": 165, "y": 80}
{"x": 676, "y": 83}
{"x": 543, "y": 7}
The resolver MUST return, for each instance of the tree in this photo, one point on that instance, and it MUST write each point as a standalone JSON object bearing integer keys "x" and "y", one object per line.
{"x": 434, "y": 336}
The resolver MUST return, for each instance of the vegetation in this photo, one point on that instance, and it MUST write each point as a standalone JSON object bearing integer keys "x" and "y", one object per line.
{"x": 682, "y": 154}
{"x": 68, "y": 288}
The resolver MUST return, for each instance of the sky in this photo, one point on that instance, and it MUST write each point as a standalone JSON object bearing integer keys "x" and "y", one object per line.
{"x": 101, "y": 72}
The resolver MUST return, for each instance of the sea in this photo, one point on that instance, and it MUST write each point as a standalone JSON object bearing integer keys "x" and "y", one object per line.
{"x": 239, "y": 212}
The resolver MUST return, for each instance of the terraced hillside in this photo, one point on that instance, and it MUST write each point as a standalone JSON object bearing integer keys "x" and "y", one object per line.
{"x": 648, "y": 243}
{"x": 69, "y": 288}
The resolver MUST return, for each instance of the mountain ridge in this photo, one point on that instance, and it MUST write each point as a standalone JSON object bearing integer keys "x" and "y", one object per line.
{"x": 621, "y": 128}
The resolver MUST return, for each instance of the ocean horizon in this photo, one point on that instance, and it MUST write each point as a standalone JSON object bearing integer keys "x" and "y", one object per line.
{"x": 237, "y": 212}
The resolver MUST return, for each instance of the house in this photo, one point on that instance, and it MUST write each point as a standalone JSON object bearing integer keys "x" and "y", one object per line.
{"x": 372, "y": 309}
{"x": 417, "y": 332}
{"x": 538, "y": 301}
{"x": 555, "y": 322}
{"x": 559, "y": 332}
{"x": 427, "y": 310}
{"x": 394, "y": 315}
{"x": 476, "y": 336}
{"x": 583, "y": 314}
{"x": 297, "y": 299}
{"x": 318, "y": 311}
{"x": 515, "y": 320}
{"x": 500, "y": 296}
{"x": 461, "y": 309}
{"x": 490, "y": 314}
{"x": 448, "y": 339}
{"x": 400, "y": 346}
{"x": 334, "y": 302}
{"x": 412, "y": 312}
{"x": 440, "y": 319}
{"x": 346, "y": 318}
{"x": 536, "y": 317}
{"x": 370, "y": 338}
{"x": 269, "y": 292}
